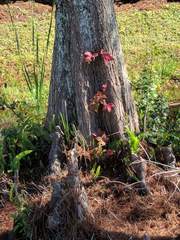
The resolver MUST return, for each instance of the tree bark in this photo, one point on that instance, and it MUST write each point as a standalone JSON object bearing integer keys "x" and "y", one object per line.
{"x": 56, "y": 154}
{"x": 69, "y": 202}
{"x": 83, "y": 25}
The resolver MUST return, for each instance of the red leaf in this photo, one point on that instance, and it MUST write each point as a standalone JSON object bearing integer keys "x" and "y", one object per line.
{"x": 89, "y": 56}
{"x": 108, "y": 107}
{"x": 107, "y": 57}
{"x": 109, "y": 153}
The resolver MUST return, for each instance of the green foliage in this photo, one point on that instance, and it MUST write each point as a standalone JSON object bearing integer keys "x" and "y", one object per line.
{"x": 22, "y": 226}
{"x": 13, "y": 86}
{"x": 115, "y": 144}
{"x": 152, "y": 105}
{"x": 157, "y": 124}
{"x": 151, "y": 36}
{"x": 26, "y": 107}
{"x": 69, "y": 130}
{"x": 66, "y": 127}
{"x": 133, "y": 141}
{"x": 96, "y": 171}
{"x": 15, "y": 163}
{"x": 17, "y": 142}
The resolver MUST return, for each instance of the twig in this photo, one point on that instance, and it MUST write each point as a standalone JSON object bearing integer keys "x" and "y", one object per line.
{"x": 176, "y": 188}
{"x": 114, "y": 216}
{"x": 124, "y": 184}
{"x": 166, "y": 172}
{"x": 92, "y": 237}
{"x": 145, "y": 151}
{"x": 163, "y": 165}
{"x": 109, "y": 237}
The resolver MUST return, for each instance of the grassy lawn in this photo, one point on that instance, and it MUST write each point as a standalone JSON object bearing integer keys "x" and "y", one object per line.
{"x": 149, "y": 38}
{"x": 152, "y": 38}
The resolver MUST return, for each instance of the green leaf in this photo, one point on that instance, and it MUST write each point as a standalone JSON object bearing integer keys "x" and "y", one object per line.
{"x": 17, "y": 159}
{"x": 133, "y": 141}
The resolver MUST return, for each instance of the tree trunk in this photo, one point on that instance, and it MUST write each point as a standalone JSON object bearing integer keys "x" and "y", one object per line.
{"x": 83, "y": 25}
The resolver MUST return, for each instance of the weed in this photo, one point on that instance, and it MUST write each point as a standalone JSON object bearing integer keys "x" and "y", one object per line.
{"x": 158, "y": 125}
{"x": 133, "y": 142}
{"x": 96, "y": 171}
{"x": 152, "y": 106}
{"x": 17, "y": 142}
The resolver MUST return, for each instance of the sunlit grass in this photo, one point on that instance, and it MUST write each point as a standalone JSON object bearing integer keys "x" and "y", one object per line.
{"x": 152, "y": 38}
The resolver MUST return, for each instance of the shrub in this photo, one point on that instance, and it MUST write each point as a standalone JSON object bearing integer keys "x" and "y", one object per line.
{"x": 158, "y": 126}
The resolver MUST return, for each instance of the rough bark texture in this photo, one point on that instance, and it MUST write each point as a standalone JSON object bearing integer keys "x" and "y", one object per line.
{"x": 69, "y": 202}
{"x": 165, "y": 155}
{"x": 56, "y": 154}
{"x": 83, "y": 25}
{"x": 139, "y": 166}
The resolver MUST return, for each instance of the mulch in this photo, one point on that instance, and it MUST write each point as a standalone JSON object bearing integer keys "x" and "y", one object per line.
{"x": 142, "y": 5}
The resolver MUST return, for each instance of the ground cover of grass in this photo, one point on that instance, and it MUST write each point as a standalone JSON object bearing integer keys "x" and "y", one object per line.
{"x": 152, "y": 38}
{"x": 13, "y": 85}
{"x": 149, "y": 38}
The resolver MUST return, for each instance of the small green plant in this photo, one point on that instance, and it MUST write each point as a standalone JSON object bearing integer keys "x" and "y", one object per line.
{"x": 133, "y": 141}
{"x": 152, "y": 105}
{"x": 15, "y": 167}
{"x": 96, "y": 171}
{"x": 158, "y": 125}
{"x": 65, "y": 128}
{"x": 22, "y": 227}
{"x": 15, "y": 162}
{"x": 19, "y": 140}
{"x": 115, "y": 144}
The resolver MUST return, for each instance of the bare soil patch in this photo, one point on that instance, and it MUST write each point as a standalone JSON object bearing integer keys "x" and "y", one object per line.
{"x": 21, "y": 11}
{"x": 142, "y": 5}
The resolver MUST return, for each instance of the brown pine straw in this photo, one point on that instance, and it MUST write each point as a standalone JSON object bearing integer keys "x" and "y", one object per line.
{"x": 119, "y": 212}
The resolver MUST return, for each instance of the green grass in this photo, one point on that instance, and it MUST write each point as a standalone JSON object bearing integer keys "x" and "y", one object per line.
{"x": 10, "y": 62}
{"x": 148, "y": 38}
{"x": 152, "y": 38}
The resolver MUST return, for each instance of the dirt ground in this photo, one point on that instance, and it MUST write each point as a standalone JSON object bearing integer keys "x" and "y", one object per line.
{"x": 142, "y": 5}
{"x": 19, "y": 9}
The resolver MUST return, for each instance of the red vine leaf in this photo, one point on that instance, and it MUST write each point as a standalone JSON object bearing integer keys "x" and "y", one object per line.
{"x": 108, "y": 107}
{"x": 107, "y": 57}
{"x": 89, "y": 56}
